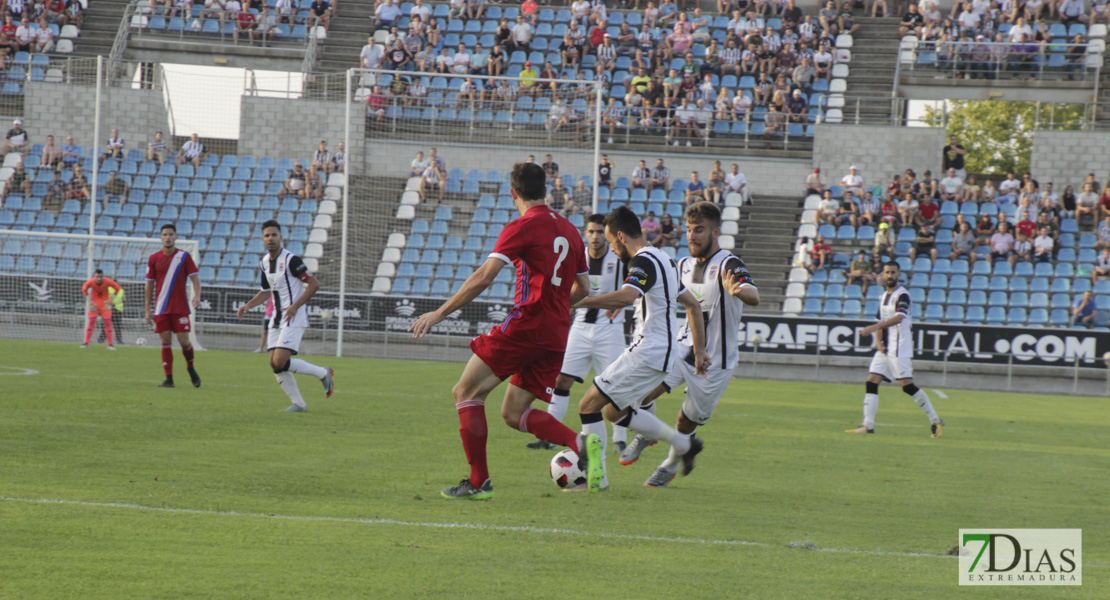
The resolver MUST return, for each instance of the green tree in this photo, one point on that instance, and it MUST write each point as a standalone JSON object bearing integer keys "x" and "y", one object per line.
{"x": 998, "y": 134}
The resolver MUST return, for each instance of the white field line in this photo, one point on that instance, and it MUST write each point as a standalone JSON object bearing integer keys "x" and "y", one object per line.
{"x": 940, "y": 394}
{"x": 474, "y": 526}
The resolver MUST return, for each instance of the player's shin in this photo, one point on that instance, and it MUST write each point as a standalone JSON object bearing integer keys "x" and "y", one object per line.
{"x": 595, "y": 424}
{"x": 167, "y": 358}
{"x": 187, "y": 352}
{"x": 922, "y": 400}
{"x": 299, "y": 366}
{"x": 108, "y": 332}
{"x": 870, "y": 405}
{"x": 89, "y": 329}
{"x": 560, "y": 401}
{"x": 547, "y": 428}
{"x": 473, "y": 431}
{"x": 289, "y": 384}
{"x": 654, "y": 429}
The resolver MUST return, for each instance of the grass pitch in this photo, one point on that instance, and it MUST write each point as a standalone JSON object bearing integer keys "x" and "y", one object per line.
{"x": 114, "y": 488}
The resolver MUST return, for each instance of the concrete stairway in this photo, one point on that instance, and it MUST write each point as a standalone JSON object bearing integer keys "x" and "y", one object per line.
{"x": 373, "y": 206}
{"x": 101, "y": 24}
{"x": 874, "y": 57}
{"x": 766, "y": 244}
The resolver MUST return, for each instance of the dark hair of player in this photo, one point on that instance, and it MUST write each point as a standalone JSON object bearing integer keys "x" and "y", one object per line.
{"x": 704, "y": 212}
{"x": 98, "y": 272}
{"x": 168, "y": 226}
{"x": 596, "y": 218}
{"x": 893, "y": 263}
{"x": 529, "y": 181}
{"x": 271, "y": 223}
{"x": 622, "y": 220}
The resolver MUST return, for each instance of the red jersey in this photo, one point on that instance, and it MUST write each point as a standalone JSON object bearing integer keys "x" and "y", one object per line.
{"x": 928, "y": 210}
{"x": 1027, "y": 227}
{"x": 170, "y": 273}
{"x": 548, "y": 254}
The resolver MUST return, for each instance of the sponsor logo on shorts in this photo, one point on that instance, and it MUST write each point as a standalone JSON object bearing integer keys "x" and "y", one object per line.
{"x": 183, "y": 320}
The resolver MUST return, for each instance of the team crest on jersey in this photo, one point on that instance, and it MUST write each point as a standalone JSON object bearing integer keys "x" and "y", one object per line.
{"x": 610, "y": 267}
{"x": 712, "y": 273}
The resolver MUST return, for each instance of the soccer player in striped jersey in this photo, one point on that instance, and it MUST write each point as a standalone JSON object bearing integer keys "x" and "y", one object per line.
{"x": 166, "y": 273}
{"x": 596, "y": 336}
{"x": 721, "y": 283}
{"x": 893, "y": 352}
{"x": 290, "y": 284}
{"x": 652, "y": 280}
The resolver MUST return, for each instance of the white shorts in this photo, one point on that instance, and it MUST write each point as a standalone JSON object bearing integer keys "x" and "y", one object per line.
{"x": 628, "y": 380}
{"x": 891, "y": 368}
{"x": 286, "y": 337}
{"x": 596, "y": 346}
{"x": 702, "y": 392}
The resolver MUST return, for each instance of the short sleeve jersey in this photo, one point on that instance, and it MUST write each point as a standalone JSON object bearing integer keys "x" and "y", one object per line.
{"x": 655, "y": 276}
{"x": 721, "y": 311}
{"x": 169, "y": 273}
{"x": 898, "y": 338}
{"x": 285, "y": 278}
{"x": 548, "y": 254}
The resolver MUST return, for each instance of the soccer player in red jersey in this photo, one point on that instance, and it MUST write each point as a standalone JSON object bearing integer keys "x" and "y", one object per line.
{"x": 168, "y": 269}
{"x": 550, "y": 261}
{"x": 99, "y": 305}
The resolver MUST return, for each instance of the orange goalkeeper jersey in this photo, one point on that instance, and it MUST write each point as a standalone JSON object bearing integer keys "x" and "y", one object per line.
{"x": 98, "y": 294}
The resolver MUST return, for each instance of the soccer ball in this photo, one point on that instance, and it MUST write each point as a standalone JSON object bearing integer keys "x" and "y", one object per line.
{"x": 565, "y": 471}
{"x": 140, "y": 342}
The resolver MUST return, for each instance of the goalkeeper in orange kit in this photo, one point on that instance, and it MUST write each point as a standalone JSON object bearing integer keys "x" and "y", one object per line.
{"x": 99, "y": 305}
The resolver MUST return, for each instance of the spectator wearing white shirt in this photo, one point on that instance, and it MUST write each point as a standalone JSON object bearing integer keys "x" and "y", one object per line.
{"x": 852, "y": 181}
{"x": 115, "y": 146}
{"x": 736, "y": 182}
{"x": 157, "y": 149}
{"x": 969, "y": 21}
{"x": 1020, "y": 32}
{"x": 422, "y": 10}
{"x": 521, "y": 38}
{"x": 24, "y": 37}
{"x": 339, "y": 159}
{"x": 433, "y": 176}
{"x": 1043, "y": 245}
{"x": 44, "y": 39}
{"x": 1009, "y": 189}
{"x": 192, "y": 151}
{"x": 951, "y": 187}
{"x": 460, "y": 62}
{"x": 17, "y": 139}
{"x": 1086, "y": 203}
{"x": 386, "y": 15}
{"x": 371, "y": 55}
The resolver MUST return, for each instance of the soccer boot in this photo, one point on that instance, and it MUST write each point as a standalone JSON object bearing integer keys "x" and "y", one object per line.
{"x": 585, "y": 487}
{"x": 329, "y": 385}
{"x": 168, "y": 383}
{"x": 83, "y": 346}
{"x": 466, "y": 491}
{"x": 631, "y": 453}
{"x": 618, "y": 447}
{"x": 296, "y": 408}
{"x": 938, "y": 428}
{"x": 194, "y": 377}
{"x": 539, "y": 445}
{"x": 860, "y": 429}
{"x": 111, "y": 347}
{"x": 696, "y": 446}
{"x": 661, "y": 477}
{"x": 590, "y": 460}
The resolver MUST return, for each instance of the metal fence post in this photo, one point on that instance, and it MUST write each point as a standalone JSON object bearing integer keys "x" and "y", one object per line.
{"x": 1010, "y": 373}
{"x": 944, "y": 377}
{"x": 817, "y": 364}
{"x": 1075, "y": 376}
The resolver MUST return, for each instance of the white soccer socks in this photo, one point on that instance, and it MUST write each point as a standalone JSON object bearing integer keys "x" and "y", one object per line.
{"x": 560, "y": 401}
{"x": 870, "y": 407}
{"x": 289, "y": 384}
{"x": 297, "y": 365}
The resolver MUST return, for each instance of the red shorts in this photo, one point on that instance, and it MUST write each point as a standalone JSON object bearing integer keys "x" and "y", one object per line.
{"x": 532, "y": 369}
{"x": 175, "y": 323}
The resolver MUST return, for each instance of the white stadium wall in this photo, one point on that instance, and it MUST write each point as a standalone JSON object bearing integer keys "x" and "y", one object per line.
{"x": 61, "y": 110}
{"x": 879, "y": 152}
{"x": 293, "y": 128}
{"x": 1066, "y": 157}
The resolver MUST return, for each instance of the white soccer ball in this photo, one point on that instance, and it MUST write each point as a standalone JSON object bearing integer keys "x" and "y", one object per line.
{"x": 140, "y": 342}
{"x": 565, "y": 471}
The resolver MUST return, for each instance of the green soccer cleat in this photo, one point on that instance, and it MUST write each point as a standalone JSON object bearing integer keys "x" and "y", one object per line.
{"x": 590, "y": 460}
{"x": 466, "y": 491}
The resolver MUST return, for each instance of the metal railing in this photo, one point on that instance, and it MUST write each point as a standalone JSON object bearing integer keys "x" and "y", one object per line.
{"x": 997, "y": 61}
{"x": 204, "y": 27}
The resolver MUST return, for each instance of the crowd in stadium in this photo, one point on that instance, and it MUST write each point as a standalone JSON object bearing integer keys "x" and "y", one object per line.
{"x": 35, "y": 28}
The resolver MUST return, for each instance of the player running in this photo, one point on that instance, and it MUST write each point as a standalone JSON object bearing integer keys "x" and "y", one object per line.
{"x": 893, "y": 353}
{"x": 653, "y": 279}
{"x": 166, "y": 272}
{"x": 528, "y": 345}
{"x": 98, "y": 290}
{"x": 288, "y": 282}
{"x": 596, "y": 336}
{"x": 722, "y": 285}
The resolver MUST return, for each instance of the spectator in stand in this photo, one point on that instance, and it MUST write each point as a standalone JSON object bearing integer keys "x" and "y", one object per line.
{"x": 78, "y": 185}
{"x": 827, "y": 209}
{"x": 984, "y": 229}
{"x": 1009, "y": 189}
{"x": 660, "y": 178}
{"x": 651, "y": 229}
{"x": 848, "y": 213}
{"x": 883, "y": 242}
{"x": 1084, "y": 312}
{"x": 296, "y": 184}
{"x": 157, "y": 149}
{"x": 736, "y": 182}
{"x": 859, "y": 271}
{"x": 1043, "y": 246}
{"x": 528, "y": 77}
{"x": 192, "y": 151}
{"x": 1023, "y": 249}
{"x": 1001, "y": 244}
{"x": 320, "y": 13}
{"x": 386, "y": 14}
{"x": 56, "y": 193}
{"x": 71, "y": 153}
{"x": 51, "y": 154}
{"x": 715, "y": 189}
{"x": 521, "y": 38}
{"x": 434, "y": 176}
{"x": 929, "y": 186}
{"x": 972, "y": 191}
{"x": 1102, "y": 268}
{"x": 321, "y": 158}
{"x": 852, "y": 181}
{"x": 24, "y": 36}
{"x": 375, "y": 104}
{"x": 44, "y": 38}
{"x": 475, "y": 9}
{"x": 338, "y": 160}
{"x": 18, "y": 181}
{"x": 1086, "y": 203}
{"x": 558, "y": 197}
{"x": 115, "y": 189}
{"x": 952, "y": 187}
{"x": 814, "y": 185}
{"x": 18, "y": 139}
{"x": 925, "y": 243}
{"x": 581, "y": 199}
{"x": 819, "y": 254}
{"x": 963, "y": 243}
{"x": 928, "y": 213}
{"x": 641, "y": 176}
{"x": 1103, "y": 203}
{"x": 371, "y": 55}
{"x": 907, "y": 210}
{"x": 695, "y": 189}
{"x": 286, "y": 12}
{"x": 870, "y": 209}
{"x": 1103, "y": 233}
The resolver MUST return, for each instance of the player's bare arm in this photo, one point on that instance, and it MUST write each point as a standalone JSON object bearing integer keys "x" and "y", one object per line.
{"x": 472, "y": 288}
{"x": 882, "y": 325}
{"x": 259, "y": 298}
{"x": 310, "y": 288}
{"x": 195, "y": 279}
{"x": 746, "y": 292}
{"x": 697, "y": 330}
{"x": 613, "y": 300}
{"x": 580, "y": 289}
{"x": 148, "y": 292}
